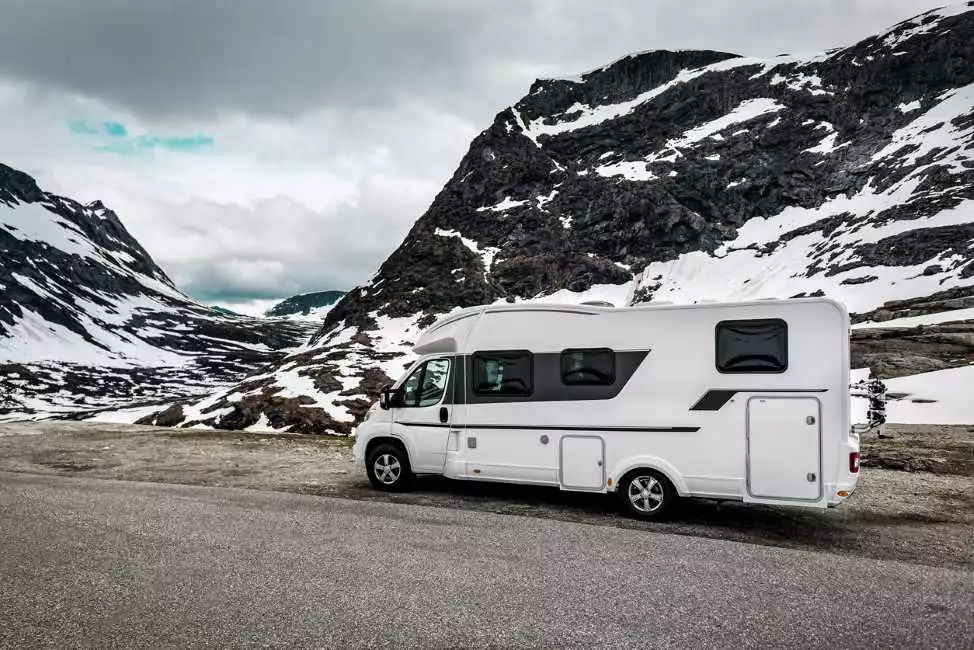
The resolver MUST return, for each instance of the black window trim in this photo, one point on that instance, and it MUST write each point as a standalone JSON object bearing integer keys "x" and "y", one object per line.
{"x": 745, "y": 321}
{"x": 489, "y": 353}
{"x": 612, "y": 374}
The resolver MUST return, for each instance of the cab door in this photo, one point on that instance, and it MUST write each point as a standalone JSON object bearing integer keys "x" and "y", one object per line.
{"x": 422, "y": 417}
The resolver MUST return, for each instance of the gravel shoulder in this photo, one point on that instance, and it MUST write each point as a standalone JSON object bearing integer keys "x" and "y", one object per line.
{"x": 924, "y": 516}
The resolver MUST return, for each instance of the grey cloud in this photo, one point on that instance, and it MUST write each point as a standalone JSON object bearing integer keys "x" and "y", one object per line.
{"x": 196, "y": 59}
{"x": 281, "y": 248}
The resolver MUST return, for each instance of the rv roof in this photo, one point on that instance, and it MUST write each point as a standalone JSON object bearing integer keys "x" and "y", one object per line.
{"x": 590, "y": 308}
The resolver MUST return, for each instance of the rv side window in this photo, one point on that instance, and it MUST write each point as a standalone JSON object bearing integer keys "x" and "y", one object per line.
{"x": 503, "y": 373}
{"x": 592, "y": 367}
{"x": 752, "y": 346}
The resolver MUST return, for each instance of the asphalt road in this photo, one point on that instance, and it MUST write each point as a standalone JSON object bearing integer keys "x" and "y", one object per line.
{"x": 91, "y": 563}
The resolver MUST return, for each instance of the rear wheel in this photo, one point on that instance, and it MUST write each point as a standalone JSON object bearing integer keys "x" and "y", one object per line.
{"x": 388, "y": 468}
{"x": 647, "y": 494}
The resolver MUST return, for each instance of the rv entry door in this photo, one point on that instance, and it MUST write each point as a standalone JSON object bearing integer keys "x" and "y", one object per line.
{"x": 423, "y": 415}
{"x": 784, "y": 449}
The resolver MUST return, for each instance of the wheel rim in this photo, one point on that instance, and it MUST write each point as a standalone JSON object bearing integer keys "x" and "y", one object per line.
{"x": 387, "y": 469}
{"x": 646, "y": 494}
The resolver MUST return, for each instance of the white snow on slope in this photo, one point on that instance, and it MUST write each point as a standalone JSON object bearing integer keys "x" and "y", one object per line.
{"x": 486, "y": 254}
{"x": 801, "y": 82}
{"x": 632, "y": 171}
{"x": 591, "y": 115}
{"x": 950, "y": 388}
{"x": 34, "y": 222}
{"x": 743, "y": 112}
{"x": 124, "y": 415}
{"x": 506, "y": 204}
{"x": 910, "y": 107}
{"x": 734, "y": 272}
{"x": 33, "y": 339}
{"x": 395, "y": 336}
{"x": 637, "y": 170}
{"x": 933, "y": 130}
{"x": 894, "y": 41}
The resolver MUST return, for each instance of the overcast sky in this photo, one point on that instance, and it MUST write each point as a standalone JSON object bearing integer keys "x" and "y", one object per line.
{"x": 259, "y": 149}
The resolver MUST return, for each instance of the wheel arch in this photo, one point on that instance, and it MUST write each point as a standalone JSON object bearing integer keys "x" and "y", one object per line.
{"x": 387, "y": 440}
{"x": 649, "y": 462}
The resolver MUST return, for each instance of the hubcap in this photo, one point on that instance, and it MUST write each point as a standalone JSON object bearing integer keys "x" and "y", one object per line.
{"x": 646, "y": 494}
{"x": 387, "y": 469}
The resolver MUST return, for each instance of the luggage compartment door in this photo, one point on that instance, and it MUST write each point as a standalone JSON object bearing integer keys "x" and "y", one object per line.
{"x": 784, "y": 448}
{"x": 582, "y": 463}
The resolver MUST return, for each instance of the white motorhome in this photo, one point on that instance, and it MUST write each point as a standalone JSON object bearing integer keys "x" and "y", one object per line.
{"x": 743, "y": 401}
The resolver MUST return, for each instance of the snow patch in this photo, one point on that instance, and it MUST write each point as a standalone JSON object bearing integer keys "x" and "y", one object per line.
{"x": 951, "y": 390}
{"x": 933, "y": 130}
{"x": 801, "y": 82}
{"x": 506, "y": 204}
{"x": 631, "y": 171}
{"x": 485, "y": 254}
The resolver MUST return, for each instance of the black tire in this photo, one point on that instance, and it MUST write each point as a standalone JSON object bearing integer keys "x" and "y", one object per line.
{"x": 392, "y": 456}
{"x": 658, "y": 500}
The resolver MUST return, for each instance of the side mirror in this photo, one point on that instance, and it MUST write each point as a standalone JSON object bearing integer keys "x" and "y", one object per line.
{"x": 385, "y": 400}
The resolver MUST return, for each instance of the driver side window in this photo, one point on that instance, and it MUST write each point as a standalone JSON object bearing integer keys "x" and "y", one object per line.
{"x": 427, "y": 383}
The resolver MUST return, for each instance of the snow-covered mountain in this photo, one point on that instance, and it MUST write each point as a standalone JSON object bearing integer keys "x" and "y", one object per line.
{"x": 682, "y": 176}
{"x": 88, "y": 321}
{"x": 308, "y": 306}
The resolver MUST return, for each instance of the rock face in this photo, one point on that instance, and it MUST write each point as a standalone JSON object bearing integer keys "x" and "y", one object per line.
{"x": 306, "y": 304}
{"x": 676, "y": 176}
{"x": 892, "y": 341}
{"x": 88, "y": 321}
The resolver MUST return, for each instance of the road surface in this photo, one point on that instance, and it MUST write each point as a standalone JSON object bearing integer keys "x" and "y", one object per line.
{"x": 94, "y": 563}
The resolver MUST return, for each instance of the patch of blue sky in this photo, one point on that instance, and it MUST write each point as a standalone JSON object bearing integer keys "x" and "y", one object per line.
{"x": 115, "y": 138}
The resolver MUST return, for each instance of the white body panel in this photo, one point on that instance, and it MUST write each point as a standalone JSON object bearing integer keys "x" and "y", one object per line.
{"x": 582, "y": 462}
{"x": 784, "y": 448}
{"x": 713, "y": 434}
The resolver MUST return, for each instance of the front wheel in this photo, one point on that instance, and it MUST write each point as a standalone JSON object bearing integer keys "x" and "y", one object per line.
{"x": 388, "y": 468}
{"x": 647, "y": 494}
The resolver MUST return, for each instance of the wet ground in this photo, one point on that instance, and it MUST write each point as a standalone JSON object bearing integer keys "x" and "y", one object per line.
{"x": 923, "y": 516}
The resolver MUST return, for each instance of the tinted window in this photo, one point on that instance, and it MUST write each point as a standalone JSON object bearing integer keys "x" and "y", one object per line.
{"x": 503, "y": 373}
{"x": 588, "y": 367}
{"x": 434, "y": 382}
{"x": 752, "y": 346}
{"x": 427, "y": 383}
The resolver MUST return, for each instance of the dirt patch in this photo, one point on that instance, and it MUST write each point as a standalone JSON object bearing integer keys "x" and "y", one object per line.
{"x": 937, "y": 449}
{"x": 919, "y": 517}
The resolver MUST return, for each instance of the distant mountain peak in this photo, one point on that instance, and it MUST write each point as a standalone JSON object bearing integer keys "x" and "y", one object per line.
{"x": 306, "y": 304}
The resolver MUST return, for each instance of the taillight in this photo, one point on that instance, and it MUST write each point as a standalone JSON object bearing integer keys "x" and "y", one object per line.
{"x": 854, "y": 462}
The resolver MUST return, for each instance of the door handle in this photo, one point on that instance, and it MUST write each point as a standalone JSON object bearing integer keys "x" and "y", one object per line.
{"x": 444, "y": 415}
